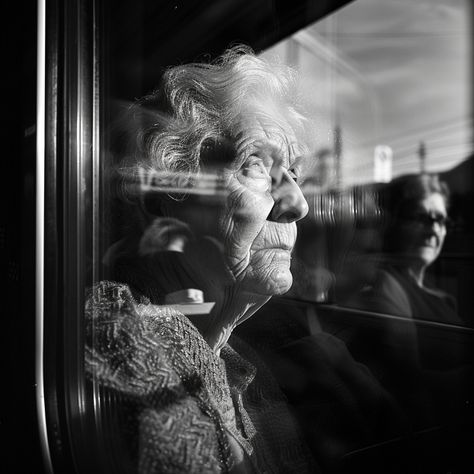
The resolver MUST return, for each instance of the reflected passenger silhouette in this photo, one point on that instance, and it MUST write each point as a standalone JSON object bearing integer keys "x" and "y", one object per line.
{"x": 423, "y": 369}
{"x": 417, "y": 214}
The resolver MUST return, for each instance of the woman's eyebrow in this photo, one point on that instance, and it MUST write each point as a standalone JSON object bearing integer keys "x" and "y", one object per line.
{"x": 279, "y": 151}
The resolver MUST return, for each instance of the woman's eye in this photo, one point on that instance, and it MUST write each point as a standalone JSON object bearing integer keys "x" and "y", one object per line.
{"x": 255, "y": 167}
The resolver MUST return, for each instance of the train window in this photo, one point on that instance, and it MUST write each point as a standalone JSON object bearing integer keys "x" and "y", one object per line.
{"x": 258, "y": 240}
{"x": 386, "y": 249}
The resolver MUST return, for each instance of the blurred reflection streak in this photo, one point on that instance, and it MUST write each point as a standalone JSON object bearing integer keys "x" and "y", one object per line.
{"x": 338, "y": 244}
{"x": 355, "y": 204}
{"x": 171, "y": 182}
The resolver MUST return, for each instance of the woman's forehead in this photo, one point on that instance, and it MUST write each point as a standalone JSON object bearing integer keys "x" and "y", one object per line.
{"x": 254, "y": 130}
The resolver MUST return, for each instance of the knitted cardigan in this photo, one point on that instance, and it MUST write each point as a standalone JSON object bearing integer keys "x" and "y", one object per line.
{"x": 180, "y": 407}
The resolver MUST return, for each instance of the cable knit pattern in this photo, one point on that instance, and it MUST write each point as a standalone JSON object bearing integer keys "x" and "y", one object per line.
{"x": 188, "y": 410}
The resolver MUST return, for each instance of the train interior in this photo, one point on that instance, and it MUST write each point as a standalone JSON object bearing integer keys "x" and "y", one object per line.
{"x": 388, "y": 85}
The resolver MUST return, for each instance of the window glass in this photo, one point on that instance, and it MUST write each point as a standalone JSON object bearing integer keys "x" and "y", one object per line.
{"x": 285, "y": 237}
{"x": 392, "y": 74}
{"x": 387, "y": 85}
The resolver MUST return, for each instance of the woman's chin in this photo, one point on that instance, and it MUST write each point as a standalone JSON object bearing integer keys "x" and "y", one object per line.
{"x": 277, "y": 282}
{"x": 283, "y": 286}
{"x": 269, "y": 272}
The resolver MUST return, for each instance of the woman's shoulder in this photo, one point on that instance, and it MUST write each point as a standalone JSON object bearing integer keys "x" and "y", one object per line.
{"x": 110, "y": 297}
{"x": 111, "y": 302}
{"x": 140, "y": 352}
{"x": 132, "y": 345}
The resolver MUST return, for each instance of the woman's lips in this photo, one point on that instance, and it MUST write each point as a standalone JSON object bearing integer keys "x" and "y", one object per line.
{"x": 280, "y": 246}
{"x": 275, "y": 236}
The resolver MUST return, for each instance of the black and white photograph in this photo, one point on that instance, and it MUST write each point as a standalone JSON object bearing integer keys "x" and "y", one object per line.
{"x": 237, "y": 236}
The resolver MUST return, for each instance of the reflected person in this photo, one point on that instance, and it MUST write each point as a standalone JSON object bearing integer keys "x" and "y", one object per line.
{"x": 424, "y": 370}
{"x": 203, "y": 402}
{"x": 416, "y": 210}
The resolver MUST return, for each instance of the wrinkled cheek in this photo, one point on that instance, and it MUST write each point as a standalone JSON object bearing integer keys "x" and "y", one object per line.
{"x": 243, "y": 218}
{"x": 252, "y": 210}
{"x": 269, "y": 272}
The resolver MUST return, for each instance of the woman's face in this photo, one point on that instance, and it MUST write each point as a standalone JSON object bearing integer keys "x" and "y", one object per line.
{"x": 258, "y": 225}
{"x": 256, "y": 222}
{"x": 424, "y": 230}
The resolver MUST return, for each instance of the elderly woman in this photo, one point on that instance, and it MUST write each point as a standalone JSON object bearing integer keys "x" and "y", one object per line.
{"x": 199, "y": 400}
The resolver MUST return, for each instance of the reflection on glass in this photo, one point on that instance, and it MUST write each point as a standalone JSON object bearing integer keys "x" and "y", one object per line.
{"x": 389, "y": 355}
{"x": 416, "y": 214}
{"x": 240, "y": 181}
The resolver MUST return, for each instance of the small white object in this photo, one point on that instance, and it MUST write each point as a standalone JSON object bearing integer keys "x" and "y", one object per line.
{"x": 188, "y": 301}
{"x": 193, "y": 308}
{"x": 383, "y": 155}
{"x": 188, "y": 295}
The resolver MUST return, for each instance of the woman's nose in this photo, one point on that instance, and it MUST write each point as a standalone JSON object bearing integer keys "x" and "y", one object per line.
{"x": 290, "y": 204}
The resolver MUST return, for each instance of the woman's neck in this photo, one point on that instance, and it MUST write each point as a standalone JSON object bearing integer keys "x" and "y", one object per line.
{"x": 231, "y": 308}
{"x": 205, "y": 264}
